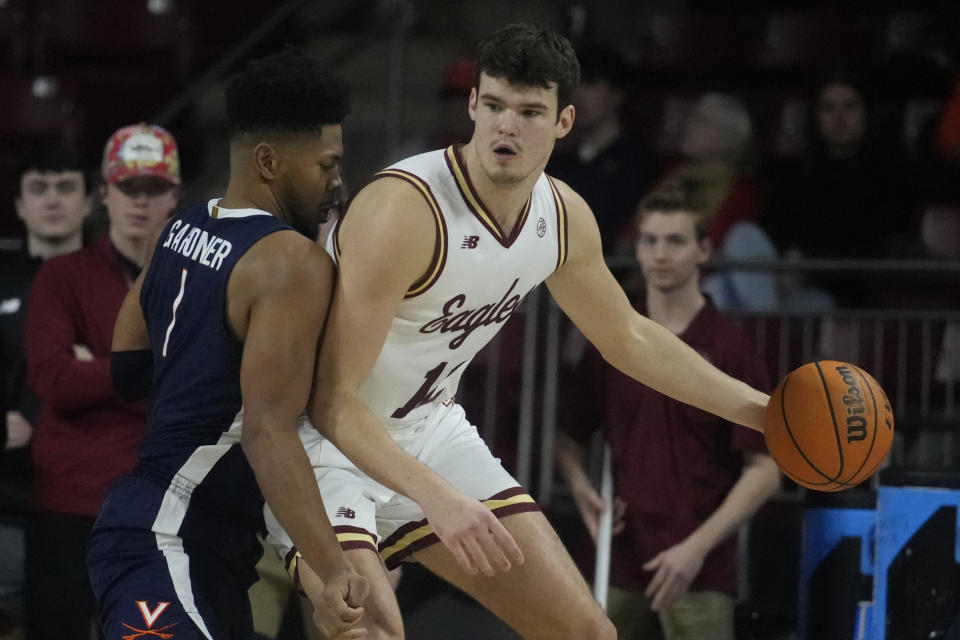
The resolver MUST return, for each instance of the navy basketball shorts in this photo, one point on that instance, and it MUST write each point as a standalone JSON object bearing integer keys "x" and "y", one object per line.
{"x": 155, "y": 586}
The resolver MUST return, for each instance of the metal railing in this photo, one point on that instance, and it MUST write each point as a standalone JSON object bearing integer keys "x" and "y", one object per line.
{"x": 913, "y": 353}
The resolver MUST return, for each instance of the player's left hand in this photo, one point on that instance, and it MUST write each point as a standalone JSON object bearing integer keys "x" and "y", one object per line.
{"x": 339, "y": 610}
{"x": 476, "y": 538}
{"x": 338, "y": 603}
{"x": 675, "y": 568}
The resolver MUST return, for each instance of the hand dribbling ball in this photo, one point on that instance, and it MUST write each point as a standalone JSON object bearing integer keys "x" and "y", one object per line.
{"x": 828, "y": 425}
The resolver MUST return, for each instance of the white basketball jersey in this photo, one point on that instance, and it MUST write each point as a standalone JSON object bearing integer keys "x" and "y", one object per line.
{"x": 478, "y": 276}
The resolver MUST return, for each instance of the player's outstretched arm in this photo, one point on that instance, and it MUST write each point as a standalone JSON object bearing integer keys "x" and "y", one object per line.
{"x": 386, "y": 242}
{"x": 277, "y": 301}
{"x": 642, "y": 349}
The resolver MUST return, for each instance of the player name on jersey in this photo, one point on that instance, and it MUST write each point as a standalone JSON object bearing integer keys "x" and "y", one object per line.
{"x": 197, "y": 245}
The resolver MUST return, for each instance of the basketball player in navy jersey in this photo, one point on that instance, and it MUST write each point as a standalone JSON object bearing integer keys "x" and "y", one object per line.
{"x": 435, "y": 254}
{"x": 228, "y": 312}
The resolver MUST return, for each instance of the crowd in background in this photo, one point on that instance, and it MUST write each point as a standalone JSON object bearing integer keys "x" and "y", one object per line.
{"x": 857, "y": 190}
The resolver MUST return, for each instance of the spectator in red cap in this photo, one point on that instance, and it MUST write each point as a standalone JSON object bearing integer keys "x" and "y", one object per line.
{"x": 85, "y": 435}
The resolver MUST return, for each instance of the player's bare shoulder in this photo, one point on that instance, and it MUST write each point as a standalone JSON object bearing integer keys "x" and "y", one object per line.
{"x": 383, "y": 207}
{"x": 281, "y": 259}
{"x": 388, "y": 222}
{"x": 279, "y": 263}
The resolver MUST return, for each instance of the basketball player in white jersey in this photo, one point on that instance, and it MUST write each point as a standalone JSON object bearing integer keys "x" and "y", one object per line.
{"x": 435, "y": 254}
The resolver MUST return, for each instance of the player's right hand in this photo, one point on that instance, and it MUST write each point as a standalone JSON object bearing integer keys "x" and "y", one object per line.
{"x": 337, "y": 603}
{"x": 474, "y": 536}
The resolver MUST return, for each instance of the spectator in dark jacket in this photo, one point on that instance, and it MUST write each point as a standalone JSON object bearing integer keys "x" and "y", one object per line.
{"x": 53, "y": 199}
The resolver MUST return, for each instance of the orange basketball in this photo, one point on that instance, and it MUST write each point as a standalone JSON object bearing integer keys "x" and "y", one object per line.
{"x": 829, "y": 425}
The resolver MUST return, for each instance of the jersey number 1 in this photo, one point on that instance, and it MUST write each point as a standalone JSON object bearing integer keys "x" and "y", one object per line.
{"x": 173, "y": 315}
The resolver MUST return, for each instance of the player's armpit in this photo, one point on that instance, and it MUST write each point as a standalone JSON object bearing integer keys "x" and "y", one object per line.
{"x": 584, "y": 287}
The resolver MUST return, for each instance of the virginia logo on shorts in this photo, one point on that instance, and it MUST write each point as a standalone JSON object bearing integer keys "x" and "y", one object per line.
{"x": 150, "y": 617}
{"x": 344, "y": 512}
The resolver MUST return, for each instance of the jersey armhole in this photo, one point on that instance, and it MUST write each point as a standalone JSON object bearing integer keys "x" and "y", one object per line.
{"x": 439, "y": 258}
{"x": 561, "y": 223}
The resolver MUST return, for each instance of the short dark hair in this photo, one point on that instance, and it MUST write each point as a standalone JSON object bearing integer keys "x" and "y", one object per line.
{"x": 532, "y": 56}
{"x": 53, "y": 157}
{"x": 285, "y": 92}
{"x": 677, "y": 196}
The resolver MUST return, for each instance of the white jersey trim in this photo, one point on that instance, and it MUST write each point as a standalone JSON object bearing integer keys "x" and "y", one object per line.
{"x": 218, "y": 212}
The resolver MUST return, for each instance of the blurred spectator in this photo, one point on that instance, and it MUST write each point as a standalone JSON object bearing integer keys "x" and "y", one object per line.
{"x": 947, "y": 136}
{"x": 52, "y": 200}
{"x": 940, "y": 240}
{"x": 684, "y": 480}
{"x": 452, "y": 124}
{"x": 716, "y": 151}
{"x": 85, "y": 435}
{"x": 850, "y": 197}
{"x": 609, "y": 168}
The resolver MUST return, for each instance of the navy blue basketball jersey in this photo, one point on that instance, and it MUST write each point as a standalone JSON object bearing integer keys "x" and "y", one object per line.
{"x": 193, "y": 435}
{"x": 174, "y": 546}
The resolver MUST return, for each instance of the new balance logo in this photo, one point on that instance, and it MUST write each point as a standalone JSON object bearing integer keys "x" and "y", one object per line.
{"x": 470, "y": 242}
{"x": 344, "y": 512}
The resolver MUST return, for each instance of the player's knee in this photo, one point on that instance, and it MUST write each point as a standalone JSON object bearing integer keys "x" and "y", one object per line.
{"x": 596, "y": 627}
{"x": 578, "y": 625}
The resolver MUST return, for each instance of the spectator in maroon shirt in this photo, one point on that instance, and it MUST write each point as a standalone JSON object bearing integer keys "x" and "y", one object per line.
{"x": 685, "y": 480}
{"x": 85, "y": 435}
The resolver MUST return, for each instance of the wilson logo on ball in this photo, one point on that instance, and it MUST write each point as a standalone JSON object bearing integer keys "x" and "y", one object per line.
{"x": 853, "y": 400}
{"x": 828, "y": 425}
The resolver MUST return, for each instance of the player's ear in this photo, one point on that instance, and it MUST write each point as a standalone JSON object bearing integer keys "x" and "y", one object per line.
{"x": 565, "y": 121}
{"x": 266, "y": 160}
{"x": 472, "y": 105}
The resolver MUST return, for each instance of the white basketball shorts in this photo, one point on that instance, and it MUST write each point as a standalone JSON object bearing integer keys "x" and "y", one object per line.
{"x": 366, "y": 514}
